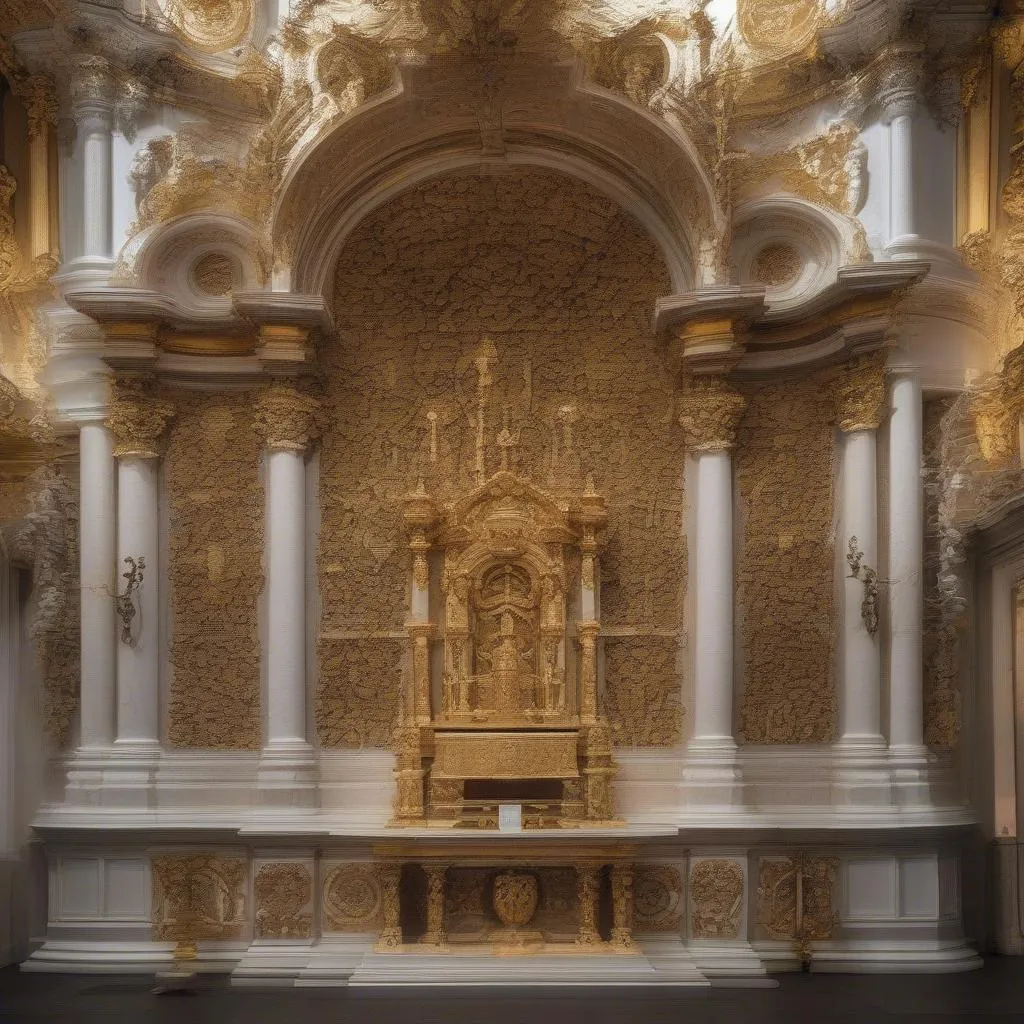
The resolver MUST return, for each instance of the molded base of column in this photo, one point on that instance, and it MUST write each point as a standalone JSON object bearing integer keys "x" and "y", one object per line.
{"x": 83, "y": 272}
{"x": 909, "y": 769}
{"x": 861, "y": 775}
{"x": 288, "y": 776}
{"x": 712, "y": 777}
{"x": 121, "y": 775}
{"x": 913, "y": 247}
{"x": 895, "y": 956}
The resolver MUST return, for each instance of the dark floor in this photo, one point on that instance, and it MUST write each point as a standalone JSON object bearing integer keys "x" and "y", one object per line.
{"x": 995, "y": 993}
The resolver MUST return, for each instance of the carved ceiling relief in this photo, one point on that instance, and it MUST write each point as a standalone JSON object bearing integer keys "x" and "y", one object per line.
{"x": 570, "y": 384}
{"x": 216, "y": 500}
{"x": 784, "y": 469}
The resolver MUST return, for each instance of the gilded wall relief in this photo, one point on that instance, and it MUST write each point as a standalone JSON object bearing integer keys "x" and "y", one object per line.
{"x": 199, "y": 896}
{"x": 784, "y": 470}
{"x": 716, "y": 899}
{"x": 284, "y": 894}
{"x": 796, "y": 898}
{"x": 215, "y": 500}
{"x": 40, "y": 517}
{"x": 562, "y": 283}
{"x": 941, "y": 631}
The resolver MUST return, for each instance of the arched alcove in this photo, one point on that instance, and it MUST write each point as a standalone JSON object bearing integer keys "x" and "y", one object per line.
{"x": 443, "y": 117}
{"x": 524, "y": 297}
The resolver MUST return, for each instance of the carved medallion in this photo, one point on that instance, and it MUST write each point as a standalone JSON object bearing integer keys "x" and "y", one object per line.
{"x": 658, "y": 897}
{"x": 776, "y": 265}
{"x": 779, "y": 26}
{"x": 352, "y": 898}
{"x": 210, "y": 25}
{"x": 515, "y": 898}
{"x": 215, "y": 274}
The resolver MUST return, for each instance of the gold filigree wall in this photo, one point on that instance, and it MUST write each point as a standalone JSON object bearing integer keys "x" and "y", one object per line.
{"x": 215, "y": 500}
{"x": 941, "y": 633}
{"x": 784, "y": 470}
{"x": 562, "y": 283}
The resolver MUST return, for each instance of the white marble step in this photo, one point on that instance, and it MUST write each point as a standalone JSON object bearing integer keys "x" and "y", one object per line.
{"x": 483, "y": 968}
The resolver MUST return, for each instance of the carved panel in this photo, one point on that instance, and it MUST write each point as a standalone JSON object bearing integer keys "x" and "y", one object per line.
{"x": 562, "y": 282}
{"x": 819, "y": 915}
{"x": 716, "y": 899}
{"x": 215, "y": 501}
{"x": 777, "y": 888}
{"x": 199, "y": 896}
{"x": 284, "y": 896}
{"x": 776, "y": 897}
{"x": 657, "y": 898}
{"x": 784, "y": 470}
{"x": 505, "y": 756}
{"x": 352, "y": 900}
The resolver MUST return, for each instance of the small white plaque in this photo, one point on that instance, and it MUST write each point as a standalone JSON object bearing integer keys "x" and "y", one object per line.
{"x": 510, "y": 817}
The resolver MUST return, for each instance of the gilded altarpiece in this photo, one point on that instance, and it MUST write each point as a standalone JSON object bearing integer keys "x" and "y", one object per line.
{"x": 490, "y": 322}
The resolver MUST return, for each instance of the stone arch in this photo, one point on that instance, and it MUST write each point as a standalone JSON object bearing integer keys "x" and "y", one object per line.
{"x": 431, "y": 123}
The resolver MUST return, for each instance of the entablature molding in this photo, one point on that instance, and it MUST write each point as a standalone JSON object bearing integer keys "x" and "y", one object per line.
{"x": 734, "y": 328}
{"x": 280, "y": 329}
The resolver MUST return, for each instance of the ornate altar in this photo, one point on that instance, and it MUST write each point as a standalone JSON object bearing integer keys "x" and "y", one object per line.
{"x": 502, "y": 704}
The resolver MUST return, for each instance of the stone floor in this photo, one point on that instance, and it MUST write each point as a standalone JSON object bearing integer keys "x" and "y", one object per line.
{"x": 995, "y": 993}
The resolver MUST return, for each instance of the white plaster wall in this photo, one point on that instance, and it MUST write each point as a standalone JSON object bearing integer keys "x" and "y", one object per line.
{"x": 934, "y": 180}
{"x": 875, "y": 212}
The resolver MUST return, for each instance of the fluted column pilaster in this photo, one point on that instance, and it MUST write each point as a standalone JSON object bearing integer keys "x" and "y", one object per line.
{"x": 138, "y": 420}
{"x": 710, "y": 413}
{"x": 861, "y": 774}
{"x": 288, "y": 419}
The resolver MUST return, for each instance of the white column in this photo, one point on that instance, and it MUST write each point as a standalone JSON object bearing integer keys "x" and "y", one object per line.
{"x": 861, "y": 772}
{"x": 860, "y": 698}
{"x": 286, "y": 599}
{"x": 95, "y": 125}
{"x": 97, "y": 540}
{"x": 901, "y": 185}
{"x": 287, "y": 419}
{"x": 906, "y": 554}
{"x": 900, "y": 77}
{"x": 710, "y": 412}
{"x": 93, "y": 111}
{"x": 138, "y": 662}
{"x": 714, "y": 604}
{"x": 906, "y": 589}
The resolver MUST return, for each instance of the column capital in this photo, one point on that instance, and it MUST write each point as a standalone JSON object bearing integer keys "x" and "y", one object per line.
{"x": 709, "y": 413}
{"x": 899, "y": 83}
{"x": 93, "y": 93}
{"x": 287, "y": 418}
{"x": 40, "y": 97}
{"x": 138, "y": 419}
{"x": 861, "y": 395}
